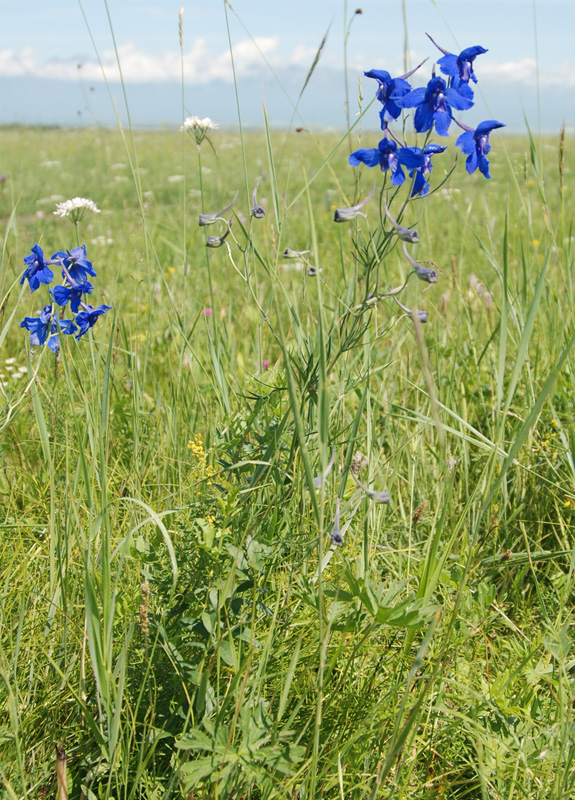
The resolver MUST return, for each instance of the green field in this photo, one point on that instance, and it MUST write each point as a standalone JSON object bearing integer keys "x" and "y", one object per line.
{"x": 172, "y": 615}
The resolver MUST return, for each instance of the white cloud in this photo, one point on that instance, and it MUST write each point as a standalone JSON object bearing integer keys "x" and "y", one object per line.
{"x": 524, "y": 72}
{"x": 202, "y": 65}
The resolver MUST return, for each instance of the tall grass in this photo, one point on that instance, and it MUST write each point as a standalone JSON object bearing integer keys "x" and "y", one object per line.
{"x": 173, "y": 614}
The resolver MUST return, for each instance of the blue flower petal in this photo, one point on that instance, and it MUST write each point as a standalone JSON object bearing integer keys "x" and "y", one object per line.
{"x": 380, "y": 75}
{"x": 409, "y": 158}
{"x": 462, "y": 88}
{"x": 466, "y": 142}
{"x": 432, "y": 148}
{"x": 423, "y": 119}
{"x": 483, "y": 165}
{"x": 420, "y": 185}
{"x": 471, "y": 162}
{"x": 399, "y": 87}
{"x": 488, "y": 125}
{"x": 397, "y": 175}
{"x": 448, "y": 65}
{"x": 412, "y": 99}
{"x": 471, "y": 52}
{"x": 442, "y": 121}
{"x": 457, "y": 100}
{"x": 371, "y": 157}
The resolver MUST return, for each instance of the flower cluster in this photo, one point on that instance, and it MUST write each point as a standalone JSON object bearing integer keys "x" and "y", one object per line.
{"x": 198, "y": 128}
{"x": 76, "y": 208}
{"x": 75, "y": 269}
{"x": 434, "y": 106}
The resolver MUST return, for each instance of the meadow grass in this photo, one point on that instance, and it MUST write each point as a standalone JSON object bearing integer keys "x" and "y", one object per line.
{"x": 172, "y": 615}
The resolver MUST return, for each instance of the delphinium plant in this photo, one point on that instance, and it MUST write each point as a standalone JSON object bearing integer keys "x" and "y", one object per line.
{"x": 75, "y": 272}
{"x": 309, "y": 359}
{"x": 434, "y": 107}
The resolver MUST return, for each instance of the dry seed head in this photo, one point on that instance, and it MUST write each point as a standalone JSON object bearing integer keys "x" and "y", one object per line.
{"x": 181, "y": 26}
{"x": 453, "y": 271}
{"x": 561, "y": 156}
{"x": 358, "y": 462}
{"x": 418, "y": 512}
{"x": 144, "y": 617}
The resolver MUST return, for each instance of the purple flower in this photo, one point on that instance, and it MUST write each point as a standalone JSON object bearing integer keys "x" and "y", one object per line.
{"x": 421, "y": 184}
{"x": 388, "y": 157}
{"x": 87, "y": 319}
{"x": 388, "y": 89}
{"x": 460, "y": 68}
{"x": 475, "y": 144}
{"x": 433, "y": 105}
{"x": 62, "y": 294}
{"x": 47, "y": 326}
{"x": 75, "y": 263}
{"x": 36, "y": 270}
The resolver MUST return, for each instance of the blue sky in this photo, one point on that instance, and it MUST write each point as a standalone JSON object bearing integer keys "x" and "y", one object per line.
{"x": 50, "y": 71}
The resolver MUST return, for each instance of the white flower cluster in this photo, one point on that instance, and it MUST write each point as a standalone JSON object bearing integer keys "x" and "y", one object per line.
{"x": 76, "y": 208}
{"x": 195, "y": 123}
{"x": 14, "y": 372}
{"x": 198, "y": 127}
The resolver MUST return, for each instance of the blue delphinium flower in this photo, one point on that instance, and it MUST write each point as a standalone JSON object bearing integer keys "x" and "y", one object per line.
{"x": 460, "y": 68}
{"x": 388, "y": 157}
{"x": 421, "y": 184}
{"x": 87, "y": 318}
{"x": 62, "y": 294}
{"x": 475, "y": 144}
{"x": 388, "y": 89}
{"x": 75, "y": 264}
{"x": 36, "y": 270}
{"x": 47, "y": 326}
{"x": 433, "y": 105}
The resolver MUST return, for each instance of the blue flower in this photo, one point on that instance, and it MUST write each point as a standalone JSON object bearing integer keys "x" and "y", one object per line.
{"x": 460, "y": 68}
{"x": 433, "y": 105}
{"x": 36, "y": 270}
{"x": 62, "y": 294}
{"x": 88, "y": 318}
{"x": 47, "y": 326}
{"x": 388, "y": 89}
{"x": 475, "y": 144}
{"x": 388, "y": 157}
{"x": 75, "y": 264}
{"x": 421, "y": 184}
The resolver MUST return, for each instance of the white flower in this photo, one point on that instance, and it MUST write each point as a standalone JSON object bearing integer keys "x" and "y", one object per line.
{"x": 76, "y": 208}
{"x": 195, "y": 123}
{"x": 198, "y": 127}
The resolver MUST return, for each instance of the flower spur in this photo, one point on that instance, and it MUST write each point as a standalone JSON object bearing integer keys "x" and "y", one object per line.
{"x": 405, "y": 234}
{"x": 423, "y": 273}
{"x": 210, "y": 219}
{"x": 347, "y": 214}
